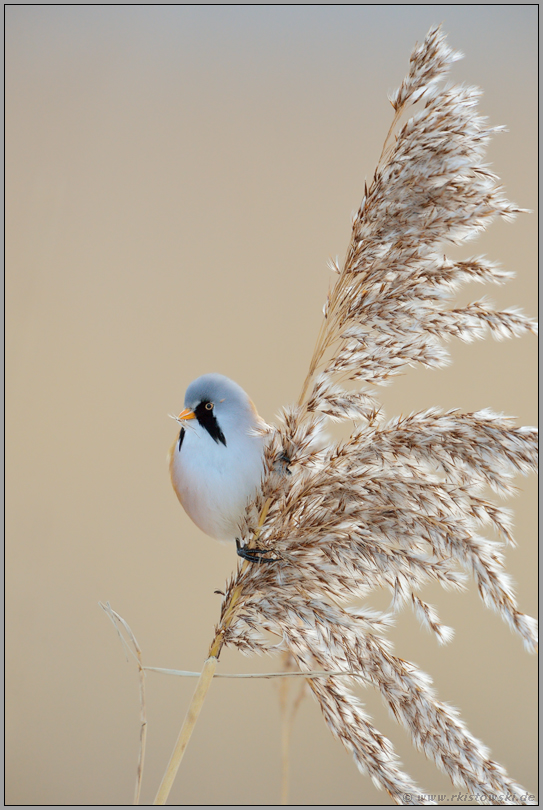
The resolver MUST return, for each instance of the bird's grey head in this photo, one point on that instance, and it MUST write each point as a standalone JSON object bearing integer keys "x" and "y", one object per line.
{"x": 221, "y": 406}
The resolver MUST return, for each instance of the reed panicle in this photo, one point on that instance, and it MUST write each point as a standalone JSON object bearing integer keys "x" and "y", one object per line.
{"x": 398, "y": 502}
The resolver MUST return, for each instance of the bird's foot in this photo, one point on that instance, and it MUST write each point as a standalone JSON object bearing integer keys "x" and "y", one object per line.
{"x": 281, "y": 465}
{"x": 255, "y": 555}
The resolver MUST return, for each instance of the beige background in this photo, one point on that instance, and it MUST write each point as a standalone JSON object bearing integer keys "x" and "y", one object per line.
{"x": 176, "y": 179}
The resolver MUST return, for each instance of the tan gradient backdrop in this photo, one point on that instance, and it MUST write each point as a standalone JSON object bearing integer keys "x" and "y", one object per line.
{"x": 177, "y": 178}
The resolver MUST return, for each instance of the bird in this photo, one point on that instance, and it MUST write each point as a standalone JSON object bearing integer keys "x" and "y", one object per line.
{"x": 217, "y": 461}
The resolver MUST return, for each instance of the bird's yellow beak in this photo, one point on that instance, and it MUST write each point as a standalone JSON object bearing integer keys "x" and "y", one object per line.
{"x": 187, "y": 414}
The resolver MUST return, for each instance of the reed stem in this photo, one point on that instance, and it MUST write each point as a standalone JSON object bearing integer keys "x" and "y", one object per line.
{"x": 204, "y": 681}
{"x": 186, "y": 729}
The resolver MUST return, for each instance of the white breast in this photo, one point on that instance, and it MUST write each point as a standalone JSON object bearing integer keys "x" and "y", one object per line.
{"x": 214, "y": 482}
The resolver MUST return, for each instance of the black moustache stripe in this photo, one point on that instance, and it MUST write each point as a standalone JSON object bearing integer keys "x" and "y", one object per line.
{"x": 181, "y": 437}
{"x": 207, "y": 420}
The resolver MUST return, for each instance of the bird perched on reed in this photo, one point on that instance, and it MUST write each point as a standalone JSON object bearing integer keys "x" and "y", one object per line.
{"x": 217, "y": 462}
{"x": 398, "y": 503}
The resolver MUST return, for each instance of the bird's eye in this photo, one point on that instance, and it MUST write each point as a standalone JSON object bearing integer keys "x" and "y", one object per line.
{"x": 209, "y": 406}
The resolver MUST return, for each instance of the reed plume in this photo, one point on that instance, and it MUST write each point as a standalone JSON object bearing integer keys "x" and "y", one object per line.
{"x": 398, "y": 502}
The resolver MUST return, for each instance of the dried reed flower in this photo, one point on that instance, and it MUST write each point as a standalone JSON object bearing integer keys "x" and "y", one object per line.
{"x": 400, "y": 502}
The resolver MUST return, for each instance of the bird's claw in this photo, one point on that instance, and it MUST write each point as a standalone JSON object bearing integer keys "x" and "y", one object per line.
{"x": 281, "y": 465}
{"x": 255, "y": 555}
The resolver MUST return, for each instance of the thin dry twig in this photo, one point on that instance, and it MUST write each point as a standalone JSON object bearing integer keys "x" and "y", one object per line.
{"x": 120, "y": 624}
{"x": 289, "y": 709}
{"x": 265, "y": 675}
